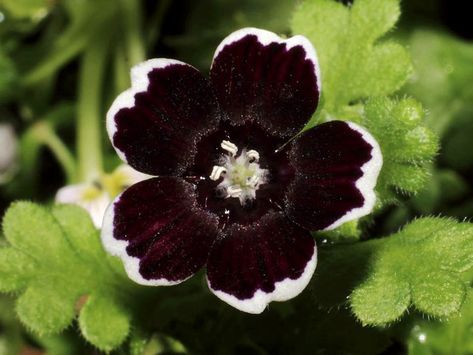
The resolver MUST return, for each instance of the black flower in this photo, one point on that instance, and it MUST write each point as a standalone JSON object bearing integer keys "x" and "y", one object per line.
{"x": 234, "y": 190}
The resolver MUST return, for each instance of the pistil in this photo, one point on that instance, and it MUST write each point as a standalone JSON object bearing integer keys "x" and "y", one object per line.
{"x": 241, "y": 175}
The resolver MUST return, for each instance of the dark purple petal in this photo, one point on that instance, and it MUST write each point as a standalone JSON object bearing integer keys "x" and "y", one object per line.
{"x": 270, "y": 260}
{"x": 155, "y": 125}
{"x": 156, "y": 228}
{"x": 258, "y": 76}
{"x": 337, "y": 165}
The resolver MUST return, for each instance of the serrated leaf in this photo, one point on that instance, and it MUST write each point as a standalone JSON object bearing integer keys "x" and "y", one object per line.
{"x": 407, "y": 145}
{"x": 438, "y": 293}
{"x": 16, "y": 269}
{"x": 381, "y": 300}
{"x": 353, "y": 64}
{"x": 45, "y": 308}
{"x": 427, "y": 266}
{"x": 357, "y": 65}
{"x": 44, "y": 236}
{"x": 57, "y": 259}
{"x": 104, "y": 323}
{"x": 413, "y": 264}
{"x": 81, "y": 232}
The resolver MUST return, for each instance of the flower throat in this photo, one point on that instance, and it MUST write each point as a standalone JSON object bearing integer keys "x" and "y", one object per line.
{"x": 242, "y": 174}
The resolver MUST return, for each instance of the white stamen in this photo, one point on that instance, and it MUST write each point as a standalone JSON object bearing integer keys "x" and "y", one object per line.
{"x": 234, "y": 191}
{"x": 252, "y": 155}
{"x": 229, "y": 147}
{"x": 242, "y": 175}
{"x": 253, "y": 181}
{"x": 217, "y": 171}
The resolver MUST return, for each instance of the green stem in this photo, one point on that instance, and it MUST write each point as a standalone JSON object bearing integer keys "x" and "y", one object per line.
{"x": 89, "y": 121}
{"x": 121, "y": 70}
{"x": 132, "y": 16}
{"x": 44, "y": 134}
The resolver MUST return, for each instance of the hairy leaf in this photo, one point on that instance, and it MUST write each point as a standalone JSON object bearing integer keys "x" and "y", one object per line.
{"x": 421, "y": 265}
{"x": 358, "y": 70}
{"x": 354, "y": 64}
{"x": 55, "y": 261}
{"x": 408, "y": 146}
{"x": 426, "y": 265}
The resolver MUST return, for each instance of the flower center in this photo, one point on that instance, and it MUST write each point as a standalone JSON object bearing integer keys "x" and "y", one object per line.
{"x": 242, "y": 174}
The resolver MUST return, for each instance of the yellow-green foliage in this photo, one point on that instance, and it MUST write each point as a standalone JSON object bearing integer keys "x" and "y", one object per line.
{"x": 426, "y": 266}
{"x": 56, "y": 263}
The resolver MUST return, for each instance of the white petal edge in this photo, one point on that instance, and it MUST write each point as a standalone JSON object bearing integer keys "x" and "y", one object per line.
{"x": 367, "y": 182}
{"x": 117, "y": 247}
{"x": 283, "y": 290}
{"x": 267, "y": 37}
{"x": 139, "y": 83}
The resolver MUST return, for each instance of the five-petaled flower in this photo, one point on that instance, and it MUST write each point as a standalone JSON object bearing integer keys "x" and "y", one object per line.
{"x": 237, "y": 188}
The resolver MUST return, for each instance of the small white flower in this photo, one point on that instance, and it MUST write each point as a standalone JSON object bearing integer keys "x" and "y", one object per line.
{"x": 129, "y": 176}
{"x": 8, "y": 151}
{"x": 95, "y": 197}
{"x": 92, "y": 198}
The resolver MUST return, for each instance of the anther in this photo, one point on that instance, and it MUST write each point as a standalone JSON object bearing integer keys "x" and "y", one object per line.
{"x": 217, "y": 171}
{"x": 253, "y": 181}
{"x": 229, "y": 147}
{"x": 234, "y": 191}
{"x": 252, "y": 155}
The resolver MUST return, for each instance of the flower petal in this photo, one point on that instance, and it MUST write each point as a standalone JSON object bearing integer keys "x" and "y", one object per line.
{"x": 337, "y": 165}
{"x": 271, "y": 260}
{"x": 158, "y": 232}
{"x": 88, "y": 196}
{"x": 154, "y": 126}
{"x": 259, "y": 76}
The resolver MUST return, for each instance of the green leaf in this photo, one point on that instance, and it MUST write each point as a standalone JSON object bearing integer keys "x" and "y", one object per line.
{"x": 408, "y": 146}
{"x": 422, "y": 265}
{"x": 358, "y": 70}
{"x": 372, "y": 304}
{"x": 54, "y": 261}
{"x": 16, "y": 269}
{"x": 82, "y": 234}
{"x": 104, "y": 323}
{"x": 438, "y": 293}
{"x": 45, "y": 308}
{"x": 427, "y": 266}
{"x": 353, "y": 64}
{"x": 33, "y": 230}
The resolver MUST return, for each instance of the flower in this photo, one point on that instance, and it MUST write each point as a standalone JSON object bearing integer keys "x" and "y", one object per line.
{"x": 96, "y": 196}
{"x": 237, "y": 188}
{"x": 8, "y": 151}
